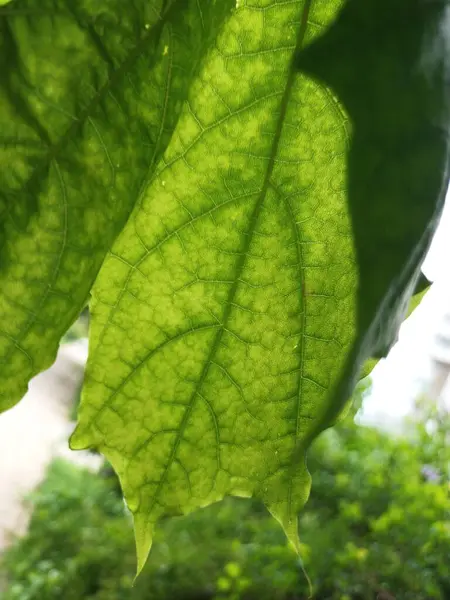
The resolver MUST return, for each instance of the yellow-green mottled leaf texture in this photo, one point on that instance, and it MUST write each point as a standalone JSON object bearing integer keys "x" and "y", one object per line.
{"x": 224, "y": 316}
{"x": 89, "y": 96}
{"x": 259, "y": 181}
{"x": 215, "y": 305}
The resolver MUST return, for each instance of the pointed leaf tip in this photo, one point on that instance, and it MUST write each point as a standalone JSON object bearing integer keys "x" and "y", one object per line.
{"x": 143, "y": 533}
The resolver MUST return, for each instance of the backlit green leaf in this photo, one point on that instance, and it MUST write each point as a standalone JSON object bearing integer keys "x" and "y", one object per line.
{"x": 257, "y": 181}
{"x": 235, "y": 309}
{"x": 89, "y": 96}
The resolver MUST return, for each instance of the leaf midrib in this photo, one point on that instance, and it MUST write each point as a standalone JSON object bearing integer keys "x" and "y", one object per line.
{"x": 240, "y": 263}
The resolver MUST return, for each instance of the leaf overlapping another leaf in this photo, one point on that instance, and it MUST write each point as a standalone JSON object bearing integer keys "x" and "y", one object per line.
{"x": 393, "y": 81}
{"x": 273, "y": 241}
{"x": 88, "y": 99}
{"x": 224, "y": 308}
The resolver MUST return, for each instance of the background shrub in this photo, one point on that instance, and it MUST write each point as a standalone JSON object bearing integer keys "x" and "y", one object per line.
{"x": 377, "y": 526}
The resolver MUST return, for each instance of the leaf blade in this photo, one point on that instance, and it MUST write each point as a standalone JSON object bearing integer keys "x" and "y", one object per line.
{"x": 74, "y": 177}
{"x": 196, "y": 299}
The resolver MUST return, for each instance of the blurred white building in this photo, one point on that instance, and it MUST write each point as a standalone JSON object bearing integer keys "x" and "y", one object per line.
{"x": 438, "y": 387}
{"x": 420, "y": 361}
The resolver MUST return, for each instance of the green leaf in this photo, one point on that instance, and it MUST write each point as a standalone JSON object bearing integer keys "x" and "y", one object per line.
{"x": 90, "y": 93}
{"x": 224, "y": 310}
{"x": 393, "y": 81}
{"x": 270, "y": 255}
{"x": 258, "y": 181}
{"x": 421, "y": 289}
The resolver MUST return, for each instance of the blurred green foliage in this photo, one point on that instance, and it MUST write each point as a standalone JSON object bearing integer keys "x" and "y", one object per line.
{"x": 377, "y": 527}
{"x": 79, "y": 329}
